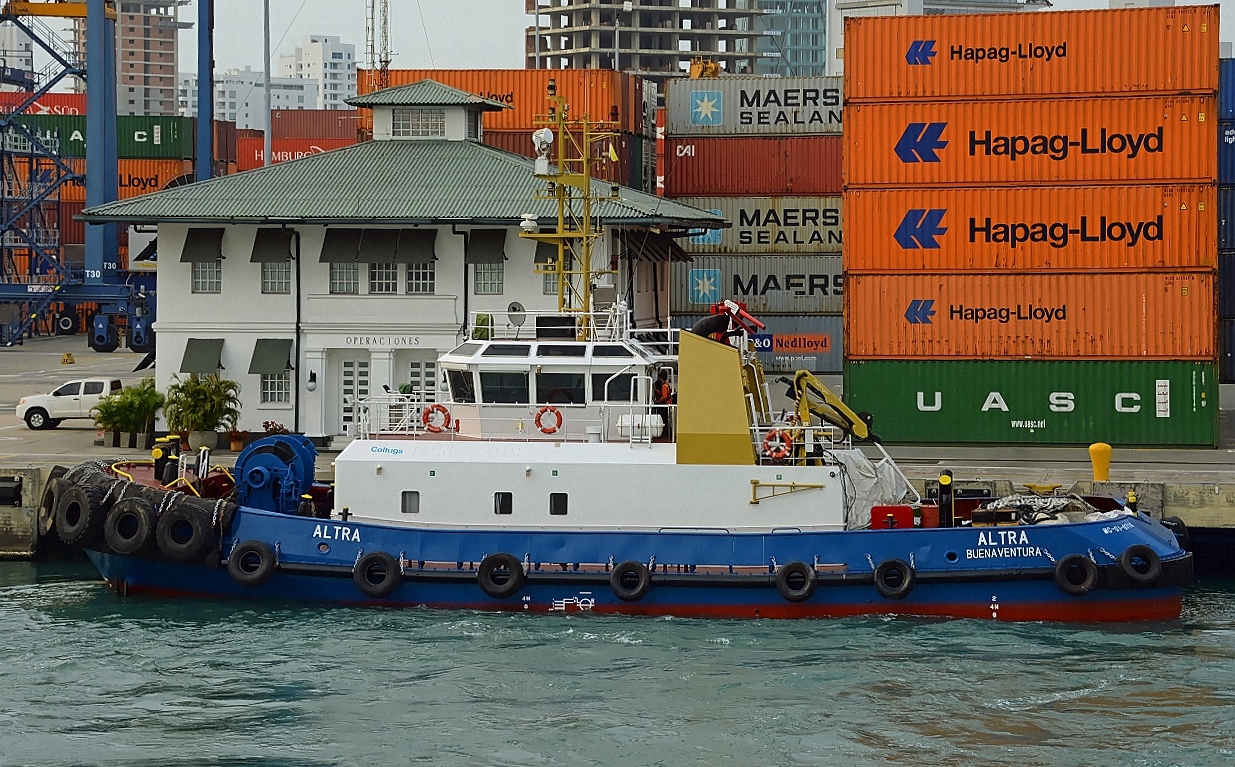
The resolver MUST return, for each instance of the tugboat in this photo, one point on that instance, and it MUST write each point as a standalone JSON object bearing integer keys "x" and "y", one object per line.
{"x": 553, "y": 479}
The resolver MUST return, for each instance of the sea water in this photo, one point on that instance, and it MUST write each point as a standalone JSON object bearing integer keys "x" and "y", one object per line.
{"x": 90, "y": 678}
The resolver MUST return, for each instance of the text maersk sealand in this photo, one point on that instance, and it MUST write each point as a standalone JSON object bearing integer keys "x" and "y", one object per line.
{"x": 1057, "y": 146}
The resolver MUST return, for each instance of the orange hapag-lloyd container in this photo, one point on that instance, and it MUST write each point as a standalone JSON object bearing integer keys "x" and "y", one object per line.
{"x": 749, "y": 166}
{"x": 1016, "y": 316}
{"x": 1077, "y": 228}
{"x": 133, "y": 177}
{"x": 597, "y": 93}
{"x": 1077, "y": 53}
{"x": 1032, "y": 141}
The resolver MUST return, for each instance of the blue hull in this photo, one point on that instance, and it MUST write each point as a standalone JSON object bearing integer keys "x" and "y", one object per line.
{"x": 1001, "y": 573}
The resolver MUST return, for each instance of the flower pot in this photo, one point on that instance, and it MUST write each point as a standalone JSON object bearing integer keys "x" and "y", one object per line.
{"x": 237, "y": 445}
{"x": 200, "y": 439}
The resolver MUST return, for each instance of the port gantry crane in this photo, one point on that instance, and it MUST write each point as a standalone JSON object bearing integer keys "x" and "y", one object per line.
{"x": 34, "y": 173}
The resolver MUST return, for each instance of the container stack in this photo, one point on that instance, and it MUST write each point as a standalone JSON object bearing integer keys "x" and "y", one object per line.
{"x": 1030, "y": 245}
{"x": 766, "y": 155}
{"x": 627, "y": 100}
{"x": 296, "y": 133}
{"x": 1226, "y": 221}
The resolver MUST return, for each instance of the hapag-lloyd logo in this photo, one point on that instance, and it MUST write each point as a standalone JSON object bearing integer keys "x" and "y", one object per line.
{"x": 1059, "y": 146}
{"x": 1003, "y": 54}
{"x": 1006, "y": 314}
{"x": 1060, "y": 234}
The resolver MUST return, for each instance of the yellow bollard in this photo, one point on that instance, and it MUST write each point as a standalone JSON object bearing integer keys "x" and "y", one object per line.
{"x": 1100, "y": 457}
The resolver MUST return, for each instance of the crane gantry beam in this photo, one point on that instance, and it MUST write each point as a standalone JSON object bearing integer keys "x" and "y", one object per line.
{"x": 53, "y": 8}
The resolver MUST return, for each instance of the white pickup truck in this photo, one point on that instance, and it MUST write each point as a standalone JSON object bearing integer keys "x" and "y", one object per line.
{"x": 74, "y": 399}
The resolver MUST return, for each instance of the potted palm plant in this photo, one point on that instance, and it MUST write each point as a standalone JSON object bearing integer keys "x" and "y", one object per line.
{"x": 132, "y": 410}
{"x": 201, "y": 405}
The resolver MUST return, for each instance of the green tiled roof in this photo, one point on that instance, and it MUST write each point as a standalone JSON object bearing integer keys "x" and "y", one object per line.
{"x": 387, "y": 182}
{"x": 425, "y": 93}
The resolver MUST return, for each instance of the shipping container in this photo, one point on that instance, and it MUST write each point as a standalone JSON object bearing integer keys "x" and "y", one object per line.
{"x": 788, "y": 344}
{"x": 134, "y": 177}
{"x": 1047, "y": 141}
{"x": 314, "y": 123}
{"x": 629, "y": 149}
{"x": 906, "y": 58}
{"x": 1226, "y": 285}
{"x": 753, "y": 106}
{"x": 48, "y": 103}
{"x": 769, "y": 225}
{"x": 1226, "y": 218}
{"x": 1226, "y": 89}
{"x": 224, "y": 141}
{"x": 1226, "y": 153}
{"x": 251, "y": 152}
{"x": 598, "y": 94}
{"x": 1078, "y": 228}
{"x": 744, "y": 167}
{"x": 136, "y": 137}
{"x": 1007, "y": 316}
{"x": 797, "y": 284}
{"x": 1226, "y": 360}
{"x": 73, "y": 232}
{"x": 1154, "y": 404}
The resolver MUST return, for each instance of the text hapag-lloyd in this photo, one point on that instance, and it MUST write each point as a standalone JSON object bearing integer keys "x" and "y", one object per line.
{"x": 1058, "y": 146}
{"x": 1005, "y": 53}
{"x": 1005, "y": 314}
{"x": 1058, "y": 234}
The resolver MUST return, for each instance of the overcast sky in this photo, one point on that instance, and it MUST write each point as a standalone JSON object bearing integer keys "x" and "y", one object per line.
{"x": 423, "y": 33}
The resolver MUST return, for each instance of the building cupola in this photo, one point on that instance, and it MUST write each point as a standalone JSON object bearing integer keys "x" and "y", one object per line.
{"x": 426, "y": 109}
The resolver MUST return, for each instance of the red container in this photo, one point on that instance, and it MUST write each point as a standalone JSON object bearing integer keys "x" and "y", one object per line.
{"x": 250, "y": 152}
{"x": 1094, "y": 53}
{"x": 1032, "y": 141}
{"x": 750, "y": 167}
{"x": 314, "y": 123}
{"x": 224, "y": 141}
{"x": 72, "y": 232}
{"x": 1155, "y": 315}
{"x": 249, "y": 133}
{"x": 47, "y": 104}
{"x": 891, "y": 517}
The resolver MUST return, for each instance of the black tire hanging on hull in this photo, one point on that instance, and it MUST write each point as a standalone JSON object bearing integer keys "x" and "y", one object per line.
{"x": 129, "y": 527}
{"x": 377, "y": 575}
{"x": 251, "y": 563}
{"x": 1076, "y": 575}
{"x": 184, "y": 533}
{"x": 894, "y": 579}
{"x": 500, "y": 575}
{"x": 796, "y": 581}
{"x": 79, "y": 515}
{"x": 630, "y": 581}
{"x": 1141, "y": 563}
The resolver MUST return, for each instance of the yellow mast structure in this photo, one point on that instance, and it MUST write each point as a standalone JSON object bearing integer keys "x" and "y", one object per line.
{"x": 569, "y": 183}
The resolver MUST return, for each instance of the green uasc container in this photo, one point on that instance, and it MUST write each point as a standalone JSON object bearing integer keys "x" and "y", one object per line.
{"x": 70, "y": 129}
{"x": 165, "y": 138}
{"x": 1054, "y": 402}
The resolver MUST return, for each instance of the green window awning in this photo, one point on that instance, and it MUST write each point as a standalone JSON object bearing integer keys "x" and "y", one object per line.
{"x": 270, "y": 356}
{"x": 201, "y": 245}
{"x": 655, "y": 247}
{"x": 416, "y": 246}
{"x": 202, "y": 355}
{"x": 377, "y": 246}
{"x": 340, "y": 246}
{"x": 272, "y": 246}
{"x": 546, "y": 253}
{"x": 486, "y": 246}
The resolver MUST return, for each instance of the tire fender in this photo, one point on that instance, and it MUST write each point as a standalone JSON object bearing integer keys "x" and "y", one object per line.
{"x": 1149, "y": 569}
{"x": 129, "y": 526}
{"x": 79, "y": 515}
{"x": 377, "y": 575}
{"x": 630, "y": 581}
{"x": 184, "y": 533}
{"x": 894, "y": 579}
{"x": 1069, "y": 567}
{"x": 500, "y": 575}
{"x": 796, "y": 581}
{"x": 251, "y": 563}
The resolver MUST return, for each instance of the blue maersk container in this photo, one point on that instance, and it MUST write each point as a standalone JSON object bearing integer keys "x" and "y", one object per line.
{"x": 1226, "y": 353}
{"x": 1226, "y": 153}
{"x": 1226, "y": 89}
{"x": 1226, "y": 286}
{"x": 1226, "y": 218}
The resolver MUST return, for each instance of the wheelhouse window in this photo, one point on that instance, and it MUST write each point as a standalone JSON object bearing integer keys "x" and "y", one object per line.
{"x": 560, "y": 388}
{"x": 503, "y": 503}
{"x": 411, "y": 502}
{"x": 561, "y": 350}
{"x": 506, "y": 388}
{"x": 557, "y": 504}
{"x": 461, "y": 387}
{"x": 616, "y": 390}
{"x": 507, "y": 350}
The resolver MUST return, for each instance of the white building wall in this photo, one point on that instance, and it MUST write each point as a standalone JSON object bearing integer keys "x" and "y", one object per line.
{"x": 328, "y": 62}
{"x": 239, "y": 97}
{"x": 17, "y": 50}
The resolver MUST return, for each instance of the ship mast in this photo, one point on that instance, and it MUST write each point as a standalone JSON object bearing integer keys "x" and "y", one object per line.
{"x": 569, "y": 183}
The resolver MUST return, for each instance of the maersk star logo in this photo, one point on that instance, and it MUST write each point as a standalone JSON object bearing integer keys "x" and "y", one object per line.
{"x": 704, "y": 285}
{"x": 709, "y": 236}
{"x": 706, "y": 107}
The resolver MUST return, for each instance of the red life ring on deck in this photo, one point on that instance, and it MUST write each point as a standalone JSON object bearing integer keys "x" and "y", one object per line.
{"x": 557, "y": 415}
{"x": 777, "y": 444}
{"x": 427, "y": 418}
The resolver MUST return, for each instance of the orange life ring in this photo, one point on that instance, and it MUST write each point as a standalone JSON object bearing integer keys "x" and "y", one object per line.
{"x": 427, "y": 418}
{"x": 777, "y": 444}
{"x": 557, "y": 415}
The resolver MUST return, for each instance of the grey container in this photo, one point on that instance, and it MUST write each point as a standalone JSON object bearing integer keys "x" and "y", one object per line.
{"x": 769, "y": 225}
{"x": 754, "y": 106}
{"x": 797, "y": 284}
{"x": 803, "y": 342}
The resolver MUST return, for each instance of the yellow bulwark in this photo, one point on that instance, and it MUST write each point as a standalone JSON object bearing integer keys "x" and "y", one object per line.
{"x": 713, "y": 426}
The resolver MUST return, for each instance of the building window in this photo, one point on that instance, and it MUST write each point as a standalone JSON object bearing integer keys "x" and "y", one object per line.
{"x": 421, "y": 278}
{"x": 489, "y": 278}
{"x": 416, "y": 122}
{"x": 336, "y": 55}
{"x": 549, "y": 286}
{"x": 383, "y": 278}
{"x": 207, "y": 276}
{"x": 473, "y": 124}
{"x": 277, "y": 277}
{"x": 276, "y": 388}
{"x": 345, "y": 278}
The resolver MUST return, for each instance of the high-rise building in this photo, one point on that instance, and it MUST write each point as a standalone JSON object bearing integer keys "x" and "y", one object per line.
{"x": 239, "y": 97}
{"x": 657, "y": 38}
{"x": 794, "y": 37}
{"x": 331, "y": 63}
{"x": 146, "y": 47}
{"x": 17, "y": 54}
